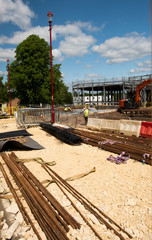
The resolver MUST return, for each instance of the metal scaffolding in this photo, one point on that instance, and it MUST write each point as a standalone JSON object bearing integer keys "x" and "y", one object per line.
{"x": 108, "y": 91}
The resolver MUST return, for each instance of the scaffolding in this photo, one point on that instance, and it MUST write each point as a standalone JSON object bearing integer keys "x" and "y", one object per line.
{"x": 108, "y": 91}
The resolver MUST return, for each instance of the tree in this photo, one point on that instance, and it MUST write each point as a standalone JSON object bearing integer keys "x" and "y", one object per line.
{"x": 3, "y": 91}
{"x": 61, "y": 94}
{"x": 30, "y": 73}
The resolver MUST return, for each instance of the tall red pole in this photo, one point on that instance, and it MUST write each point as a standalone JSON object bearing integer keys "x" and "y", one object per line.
{"x": 9, "y": 86}
{"x": 50, "y": 28}
{"x": 151, "y": 31}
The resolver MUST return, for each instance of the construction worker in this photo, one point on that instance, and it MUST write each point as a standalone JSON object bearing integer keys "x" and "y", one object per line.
{"x": 66, "y": 109}
{"x": 69, "y": 109}
{"x": 86, "y": 114}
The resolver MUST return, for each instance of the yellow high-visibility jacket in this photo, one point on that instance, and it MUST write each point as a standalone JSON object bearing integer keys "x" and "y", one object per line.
{"x": 86, "y": 113}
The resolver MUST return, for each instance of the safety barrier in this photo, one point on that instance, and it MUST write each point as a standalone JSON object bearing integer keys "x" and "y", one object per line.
{"x": 112, "y": 125}
{"x": 34, "y": 116}
{"x": 126, "y": 127}
{"x": 94, "y": 123}
{"x": 146, "y": 130}
{"x": 130, "y": 128}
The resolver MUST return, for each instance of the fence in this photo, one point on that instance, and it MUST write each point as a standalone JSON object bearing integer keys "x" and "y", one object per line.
{"x": 34, "y": 116}
{"x": 9, "y": 110}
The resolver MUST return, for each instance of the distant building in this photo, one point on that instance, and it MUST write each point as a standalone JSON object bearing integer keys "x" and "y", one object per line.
{"x": 109, "y": 91}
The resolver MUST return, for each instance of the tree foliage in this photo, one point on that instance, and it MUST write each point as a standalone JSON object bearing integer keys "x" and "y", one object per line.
{"x": 4, "y": 96}
{"x": 30, "y": 74}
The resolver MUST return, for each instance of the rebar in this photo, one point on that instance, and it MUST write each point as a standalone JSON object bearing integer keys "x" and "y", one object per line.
{"x": 86, "y": 203}
{"x": 44, "y": 212}
{"x": 134, "y": 146}
{"x": 57, "y": 206}
{"x": 22, "y": 209}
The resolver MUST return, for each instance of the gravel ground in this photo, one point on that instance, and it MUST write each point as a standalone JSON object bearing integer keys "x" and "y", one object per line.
{"x": 123, "y": 192}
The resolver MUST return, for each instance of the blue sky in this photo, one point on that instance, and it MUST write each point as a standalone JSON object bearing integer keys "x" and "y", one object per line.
{"x": 91, "y": 39}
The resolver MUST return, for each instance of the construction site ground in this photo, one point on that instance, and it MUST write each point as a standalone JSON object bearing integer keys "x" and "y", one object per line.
{"x": 122, "y": 191}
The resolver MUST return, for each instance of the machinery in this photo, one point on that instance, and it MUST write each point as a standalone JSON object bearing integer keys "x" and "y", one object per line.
{"x": 133, "y": 98}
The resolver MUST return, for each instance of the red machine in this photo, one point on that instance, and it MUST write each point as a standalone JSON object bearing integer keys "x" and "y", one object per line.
{"x": 134, "y": 99}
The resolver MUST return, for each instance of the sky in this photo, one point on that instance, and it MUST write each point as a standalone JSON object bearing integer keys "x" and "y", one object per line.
{"x": 92, "y": 40}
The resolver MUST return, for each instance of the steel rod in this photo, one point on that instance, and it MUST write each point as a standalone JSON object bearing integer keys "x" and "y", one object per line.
{"x": 38, "y": 202}
{"x": 83, "y": 199}
{"x": 23, "y": 211}
{"x": 58, "y": 184}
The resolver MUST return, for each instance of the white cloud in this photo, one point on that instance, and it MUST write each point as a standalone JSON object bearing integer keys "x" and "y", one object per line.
{"x": 97, "y": 60}
{"x": 89, "y": 27}
{"x": 74, "y": 42}
{"x": 92, "y": 76}
{"x": 142, "y": 67}
{"x": 88, "y": 66}
{"x": 16, "y": 12}
{"x": 43, "y": 32}
{"x": 76, "y": 45}
{"x": 62, "y": 74}
{"x": 19, "y": 36}
{"x": 65, "y": 30}
{"x": 6, "y": 53}
{"x": 57, "y": 55}
{"x": 3, "y": 73}
{"x": 124, "y": 49}
{"x": 140, "y": 70}
{"x": 145, "y": 63}
{"x": 10, "y": 54}
{"x": 77, "y": 61}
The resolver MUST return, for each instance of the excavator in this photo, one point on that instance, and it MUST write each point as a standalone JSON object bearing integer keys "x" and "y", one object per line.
{"x": 133, "y": 100}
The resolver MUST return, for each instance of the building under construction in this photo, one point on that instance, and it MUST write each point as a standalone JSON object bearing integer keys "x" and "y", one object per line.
{"x": 109, "y": 92}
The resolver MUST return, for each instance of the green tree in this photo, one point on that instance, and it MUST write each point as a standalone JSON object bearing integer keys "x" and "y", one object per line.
{"x": 30, "y": 73}
{"x": 3, "y": 91}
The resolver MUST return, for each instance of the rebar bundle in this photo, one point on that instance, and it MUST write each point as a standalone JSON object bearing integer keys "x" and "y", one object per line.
{"x": 100, "y": 215}
{"x": 61, "y": 134}
{"x": 51, "y": 216}
{"x": 138, "y": 149}
{"x": 49, "y": 213}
